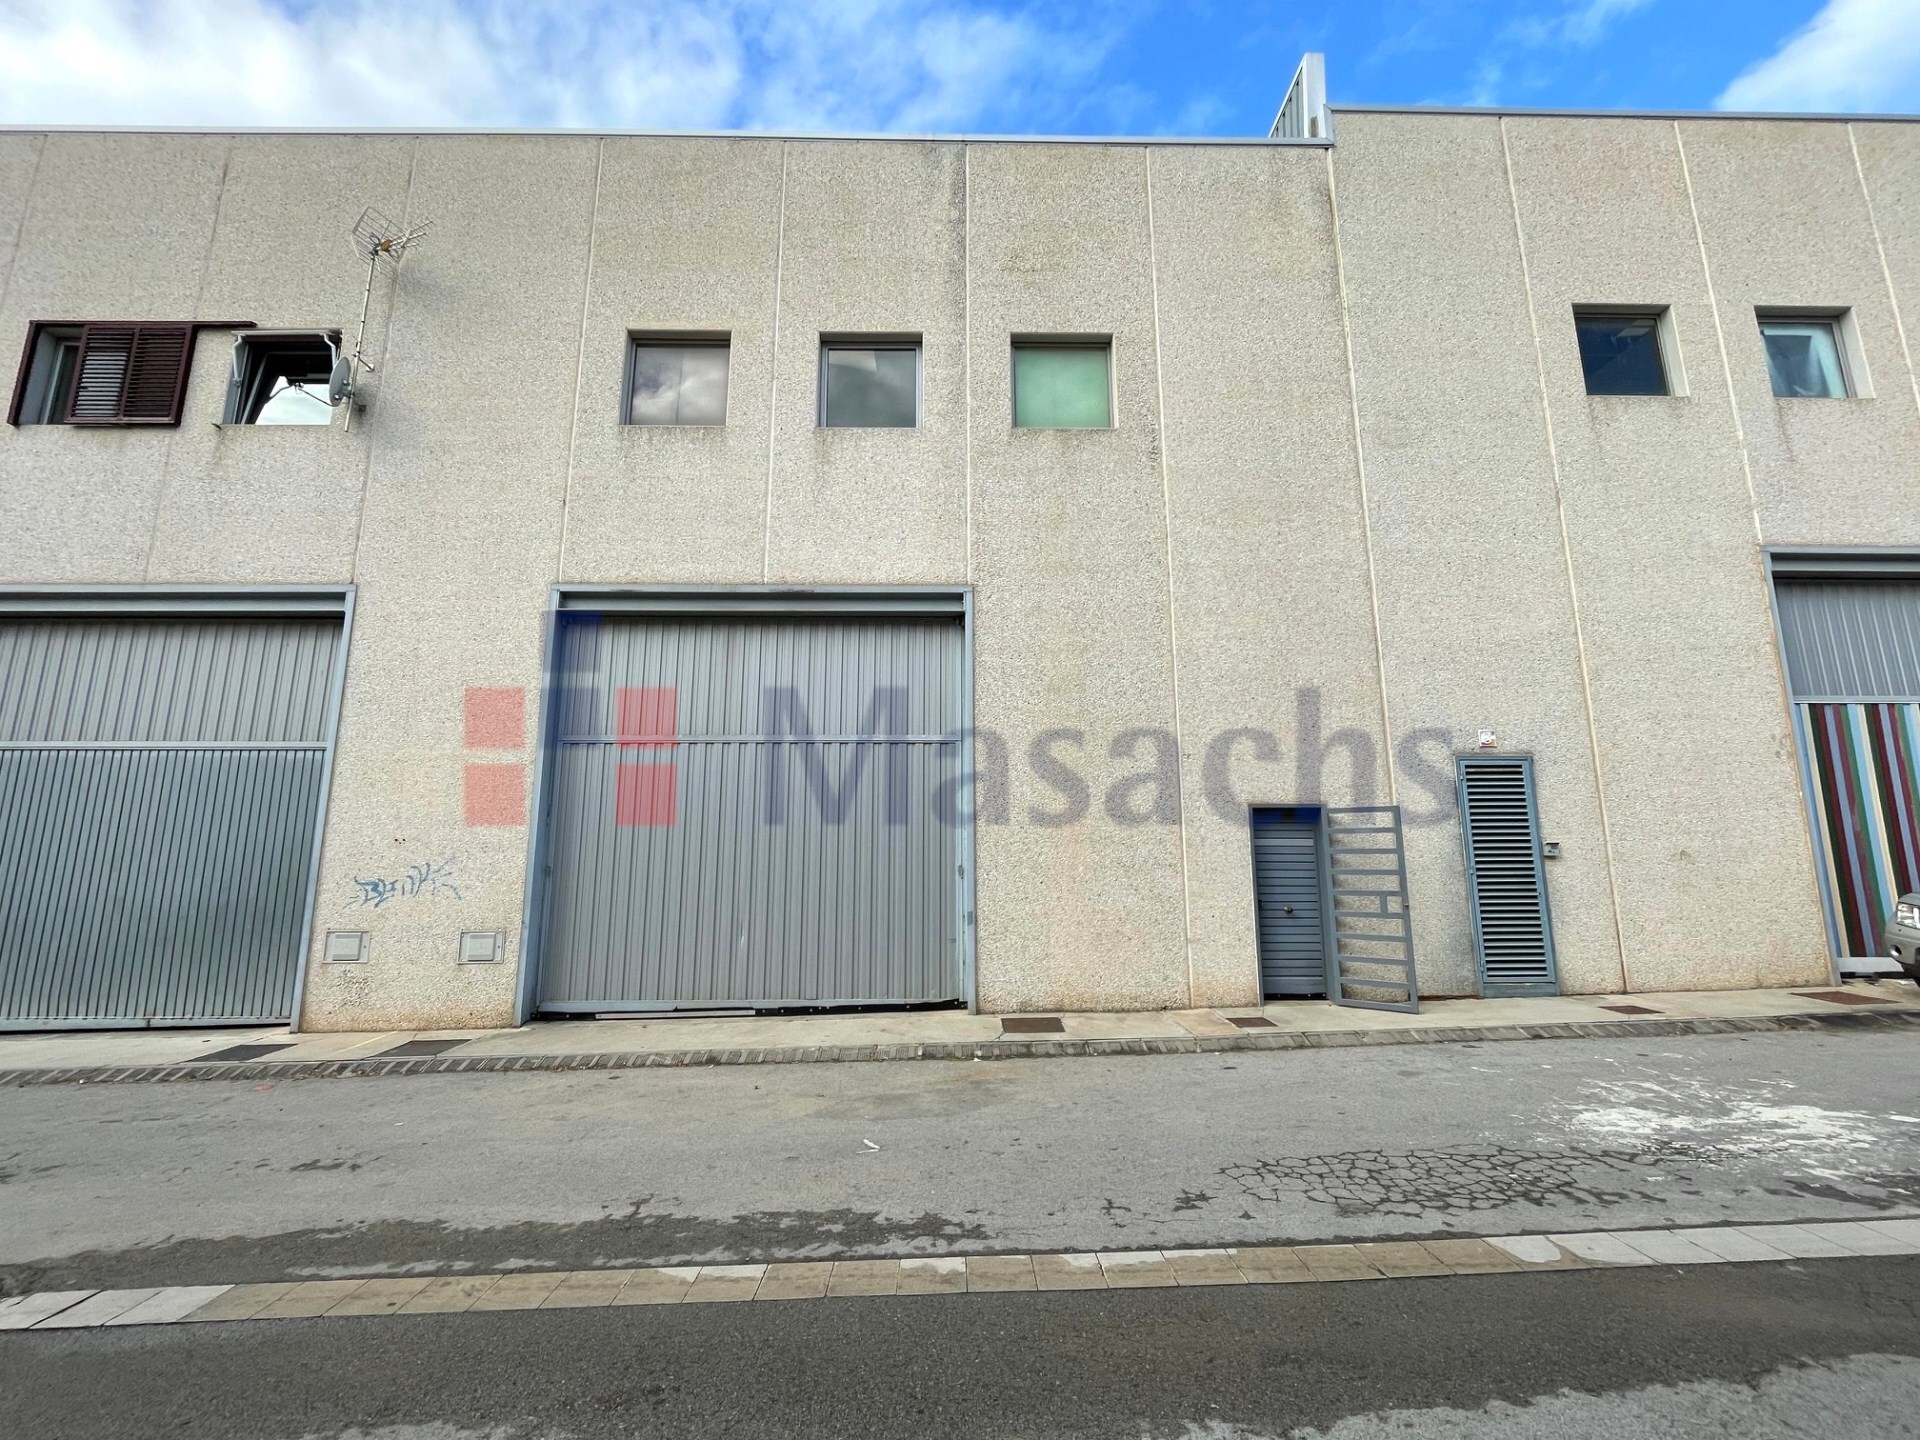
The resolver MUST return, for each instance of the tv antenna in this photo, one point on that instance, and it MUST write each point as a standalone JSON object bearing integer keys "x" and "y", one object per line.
{"x": 381, "y": 243}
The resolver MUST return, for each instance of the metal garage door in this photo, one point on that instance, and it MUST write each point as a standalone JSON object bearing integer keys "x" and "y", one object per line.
{"x": 748, "y": 812}
{"x": 160, "y": 786}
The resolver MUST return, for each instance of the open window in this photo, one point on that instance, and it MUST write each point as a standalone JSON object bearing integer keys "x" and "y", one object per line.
{"x": 281, "y": 377}
{"x": 102, "y": 373}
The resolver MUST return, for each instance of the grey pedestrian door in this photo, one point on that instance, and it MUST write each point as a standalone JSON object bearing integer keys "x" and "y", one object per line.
{"x": 1288, "y": 872}
{"x": 754, "y": 813}
{"x": 160, "y": 792}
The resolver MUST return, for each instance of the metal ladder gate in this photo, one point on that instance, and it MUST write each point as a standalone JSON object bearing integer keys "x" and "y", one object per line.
{"x": 1369, "y": 932}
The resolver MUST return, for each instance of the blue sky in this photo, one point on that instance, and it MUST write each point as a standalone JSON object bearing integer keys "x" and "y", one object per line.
{"x": 1132, "y": 67}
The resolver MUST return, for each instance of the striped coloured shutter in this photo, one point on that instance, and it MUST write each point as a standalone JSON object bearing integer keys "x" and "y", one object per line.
{"x": 1506, "y": 882}
{"x": 131, "y": 375}
{"x": 1865, "y": 761}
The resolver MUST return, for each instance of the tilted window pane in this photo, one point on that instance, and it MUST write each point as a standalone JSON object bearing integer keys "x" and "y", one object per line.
{"x": 1803, "y": 357}
{"x": 291, "y": 403}
{"x": 1621, "y": 354}
{"x": 871, "y": 387}
{"x": 1061, "y": 387}
{"x": 678, "y": 385}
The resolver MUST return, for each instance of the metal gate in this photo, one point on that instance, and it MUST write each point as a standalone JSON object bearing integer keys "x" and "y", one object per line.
{"x": 1852, "y": 651}
{"x": 1506, "y": 876}
{"x": 754, "y": 812}
{"x": 160, "y": 791}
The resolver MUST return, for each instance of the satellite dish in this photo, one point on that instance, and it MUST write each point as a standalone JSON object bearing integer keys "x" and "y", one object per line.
{"x": 340, "y": 383}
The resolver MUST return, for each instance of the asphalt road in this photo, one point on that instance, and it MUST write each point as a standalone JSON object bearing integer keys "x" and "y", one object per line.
{"x": 1816, "y": 1349}
{"x": 224, "y": 1181}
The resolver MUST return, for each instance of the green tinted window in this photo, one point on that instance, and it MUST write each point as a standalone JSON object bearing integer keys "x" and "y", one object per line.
{"x": 1061, "y": 387}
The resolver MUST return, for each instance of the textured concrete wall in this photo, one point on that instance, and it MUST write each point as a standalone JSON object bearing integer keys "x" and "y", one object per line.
{"x": 1489, "y": 548}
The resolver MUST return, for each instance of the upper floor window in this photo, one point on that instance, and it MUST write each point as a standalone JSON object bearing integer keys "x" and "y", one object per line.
{"x": 678, "y": 380}
{"x": 1623, "y": 351}
{"x": 123, "y": 373}
{"x": 1062, "y": 384}
{"x": 282, "y": 379}
{"x": 870, "y": 383}
{"x": 1806, "y": 358}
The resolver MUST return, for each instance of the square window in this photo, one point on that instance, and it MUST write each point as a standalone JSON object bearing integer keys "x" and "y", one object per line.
{"x": 46, "y": 390}
{"x": 1062, "y": 386}
{"x": 1621, "y": 352}
{"x": 678, "y": 380}
{"x": 1803, "y": 357}
{"x": 870, "y": 385}
{"x": 282, "y": 379}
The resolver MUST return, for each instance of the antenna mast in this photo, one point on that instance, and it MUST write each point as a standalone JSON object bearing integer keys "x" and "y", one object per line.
{"x": 378, "y": 241}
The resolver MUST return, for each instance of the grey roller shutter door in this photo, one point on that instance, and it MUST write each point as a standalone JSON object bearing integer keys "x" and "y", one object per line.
{"x": 1506, "y": 876}
{"x": 1287, "y": 902}
{"x": 160, "y": 785}
{"x": 790, "y": 846}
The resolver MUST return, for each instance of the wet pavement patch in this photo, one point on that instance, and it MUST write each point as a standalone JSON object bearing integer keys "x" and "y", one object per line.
{"x": 406, "y": 1247}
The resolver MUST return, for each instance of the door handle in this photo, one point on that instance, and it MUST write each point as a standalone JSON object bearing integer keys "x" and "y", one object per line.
{"x": 1286, "y": 909}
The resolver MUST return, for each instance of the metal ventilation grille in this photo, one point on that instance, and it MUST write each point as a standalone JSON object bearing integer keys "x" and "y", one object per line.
{"x": 1512, "y": 928}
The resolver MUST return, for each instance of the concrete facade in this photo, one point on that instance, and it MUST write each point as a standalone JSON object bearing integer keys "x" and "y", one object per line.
{"x": 1355, "y": 495}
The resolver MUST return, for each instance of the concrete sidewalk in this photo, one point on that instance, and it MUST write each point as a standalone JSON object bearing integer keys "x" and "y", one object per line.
{"x": 129, "y": 1055}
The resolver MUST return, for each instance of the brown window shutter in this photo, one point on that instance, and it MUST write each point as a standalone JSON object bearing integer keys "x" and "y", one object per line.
{"x": 131, "y": 375}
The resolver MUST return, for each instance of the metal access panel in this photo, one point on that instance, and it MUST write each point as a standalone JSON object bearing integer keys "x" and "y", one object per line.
{"x": 754, "y": 811}
{"x": 160, "y": 791}
{"x": 1370, "y": 934}
{"x": 1506, "y": 876}
{"x": 1289, "y": 881}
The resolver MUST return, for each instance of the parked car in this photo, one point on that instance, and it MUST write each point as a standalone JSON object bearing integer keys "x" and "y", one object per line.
{"x": 1903, "y": 935}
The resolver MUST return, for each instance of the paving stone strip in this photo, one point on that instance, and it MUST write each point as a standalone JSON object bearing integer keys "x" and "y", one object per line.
{"x": 1003, "y": 1049}
{"x": 953, "y": 1275}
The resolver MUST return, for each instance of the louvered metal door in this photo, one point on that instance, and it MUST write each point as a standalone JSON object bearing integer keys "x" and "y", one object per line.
{"x": 160, "y": 785}
{"x": 1506, "y": 877}
{"x": 1288, "y": 889}
{"x": 754, "y": 813}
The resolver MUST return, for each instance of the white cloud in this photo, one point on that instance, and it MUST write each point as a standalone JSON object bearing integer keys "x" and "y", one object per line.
{"x": 1853, "y": 55}
{"x": 854, "y": 64}
{"x": 1578, "y": 26}
{"x": 1585, "y": 24}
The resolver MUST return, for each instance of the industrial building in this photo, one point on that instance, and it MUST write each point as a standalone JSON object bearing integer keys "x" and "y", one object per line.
{"x": 450, "y": 578}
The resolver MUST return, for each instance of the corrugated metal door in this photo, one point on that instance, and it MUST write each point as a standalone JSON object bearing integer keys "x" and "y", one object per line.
{"x": 1288, "y": 880}
{"x": 1853, "y": 669}
{"x": 160, "y": 785}
{"x": 1506, "y": 877}
{"x": 753, "y": 813}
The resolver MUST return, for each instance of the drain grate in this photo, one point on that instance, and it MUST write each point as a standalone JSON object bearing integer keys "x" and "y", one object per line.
{"x": 421, "y": 1047}
{"x": 245, "y": 1052}
{"x": 1032, "y": 1025}
{"x": 1633, "y": 1009}
{"x": 1841, "y": 997}
{"x": 1252, "y": 1022}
